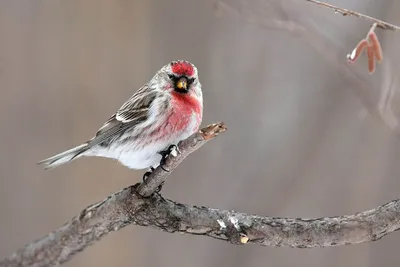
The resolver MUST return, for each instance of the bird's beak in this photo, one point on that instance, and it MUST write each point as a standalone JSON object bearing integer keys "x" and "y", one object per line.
{"x": 182, "y": 84}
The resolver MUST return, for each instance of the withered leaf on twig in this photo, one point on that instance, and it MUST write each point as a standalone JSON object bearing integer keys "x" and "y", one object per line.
{"x": 373, "y": 49}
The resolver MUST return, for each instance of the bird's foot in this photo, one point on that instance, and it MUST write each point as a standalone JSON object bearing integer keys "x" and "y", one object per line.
{"x": 159, "y": 188}
{"x": 146, "y": 174}
{"x": 172, "y": 150}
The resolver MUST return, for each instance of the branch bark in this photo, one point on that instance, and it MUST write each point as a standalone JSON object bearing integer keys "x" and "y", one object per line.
{"x": 129, "y": 207}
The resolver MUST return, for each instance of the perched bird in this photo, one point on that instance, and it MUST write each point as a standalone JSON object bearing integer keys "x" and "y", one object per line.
{"x": 164, "y": 111}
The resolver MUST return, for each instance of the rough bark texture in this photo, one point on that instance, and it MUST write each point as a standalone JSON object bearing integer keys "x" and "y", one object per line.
{"x": 129, "y": 207}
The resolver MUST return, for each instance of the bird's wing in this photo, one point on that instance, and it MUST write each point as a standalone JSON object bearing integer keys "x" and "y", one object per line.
{"x": 131, "y": 113}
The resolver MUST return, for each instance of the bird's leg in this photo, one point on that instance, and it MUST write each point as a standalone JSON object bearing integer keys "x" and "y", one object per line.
{"x": 171, "y": 150}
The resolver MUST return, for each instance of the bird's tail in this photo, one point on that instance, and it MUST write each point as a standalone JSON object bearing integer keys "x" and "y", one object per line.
{"x": 64, "y": 157}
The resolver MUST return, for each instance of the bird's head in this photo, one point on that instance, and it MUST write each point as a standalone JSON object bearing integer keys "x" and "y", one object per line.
{"x": 181, "y": 77}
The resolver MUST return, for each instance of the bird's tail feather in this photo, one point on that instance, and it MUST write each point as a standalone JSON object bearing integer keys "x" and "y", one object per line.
{"x": 64, "y": 157}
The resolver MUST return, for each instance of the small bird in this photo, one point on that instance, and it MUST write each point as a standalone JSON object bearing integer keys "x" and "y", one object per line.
{"x": 164, "y": 111}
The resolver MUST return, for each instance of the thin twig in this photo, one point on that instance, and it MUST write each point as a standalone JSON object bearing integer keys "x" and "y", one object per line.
{"x": 363, "y": 89}
{"x": 346, "y": 12}
{"x": 187, "y": 146}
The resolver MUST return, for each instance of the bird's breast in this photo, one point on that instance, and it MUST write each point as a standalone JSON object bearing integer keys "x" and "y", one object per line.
{"x": 185, "y": 114}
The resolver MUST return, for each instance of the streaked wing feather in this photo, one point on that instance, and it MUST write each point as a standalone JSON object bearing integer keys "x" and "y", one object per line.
{"x": 139, "y": 102}
{"x": 131, "y": 113}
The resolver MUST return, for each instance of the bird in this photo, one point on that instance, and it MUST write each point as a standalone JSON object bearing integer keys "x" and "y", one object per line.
{"x": 164, "y": 111}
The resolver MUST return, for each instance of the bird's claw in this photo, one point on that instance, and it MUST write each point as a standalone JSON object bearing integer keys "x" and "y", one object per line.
{"x": 146, "y": 175}
{"x": 172, "y": 150}
{"x": 159, "y": 188}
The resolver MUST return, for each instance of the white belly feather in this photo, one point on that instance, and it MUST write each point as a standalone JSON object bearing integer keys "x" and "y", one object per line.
{"x": 139, "y": 157}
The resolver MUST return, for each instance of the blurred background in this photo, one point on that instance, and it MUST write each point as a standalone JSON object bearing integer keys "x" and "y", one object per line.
{"x": 308, "y": 136}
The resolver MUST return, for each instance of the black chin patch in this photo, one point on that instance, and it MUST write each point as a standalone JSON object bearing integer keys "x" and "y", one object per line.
{"x": 181, "y": 91}
{"x": 175, "y": 80}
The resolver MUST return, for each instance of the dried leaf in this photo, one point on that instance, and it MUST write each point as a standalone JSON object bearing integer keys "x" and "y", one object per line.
{"x": 357, "y": 51}
{"x": 374, "y": 49}
{"x": 376, "y": 45}
{"x": 371, "y": 59}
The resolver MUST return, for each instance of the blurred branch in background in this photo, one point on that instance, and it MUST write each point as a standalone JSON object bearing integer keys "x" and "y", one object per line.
{"x": 380, "y": 109}
{"x": 346, "y": 12}
{"x": 384, "y": 108}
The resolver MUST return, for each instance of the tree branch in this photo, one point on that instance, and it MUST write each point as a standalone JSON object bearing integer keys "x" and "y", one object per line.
{"x": 138, "y": 205}
{"x": 103, "y": 217}
{"x": 129, "y": 207}
{"x": 158, "y": 176}
{"x": 346, "y": 12}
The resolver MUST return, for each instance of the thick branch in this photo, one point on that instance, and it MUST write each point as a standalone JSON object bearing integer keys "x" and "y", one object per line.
{"x": 108, "y": 215}
{"x": 129, "y": 207}
{"x": 346, "y": 12}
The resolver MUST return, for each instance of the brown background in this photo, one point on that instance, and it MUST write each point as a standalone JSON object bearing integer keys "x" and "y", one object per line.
{"x": 301, "y": 142}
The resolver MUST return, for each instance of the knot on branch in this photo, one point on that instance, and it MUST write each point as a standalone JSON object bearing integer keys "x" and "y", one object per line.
{"x": 233, "y": 230}
{"x": 213, "y": 130}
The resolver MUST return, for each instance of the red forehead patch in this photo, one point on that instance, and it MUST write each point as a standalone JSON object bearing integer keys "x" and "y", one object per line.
{"x": 182, "y": 68}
